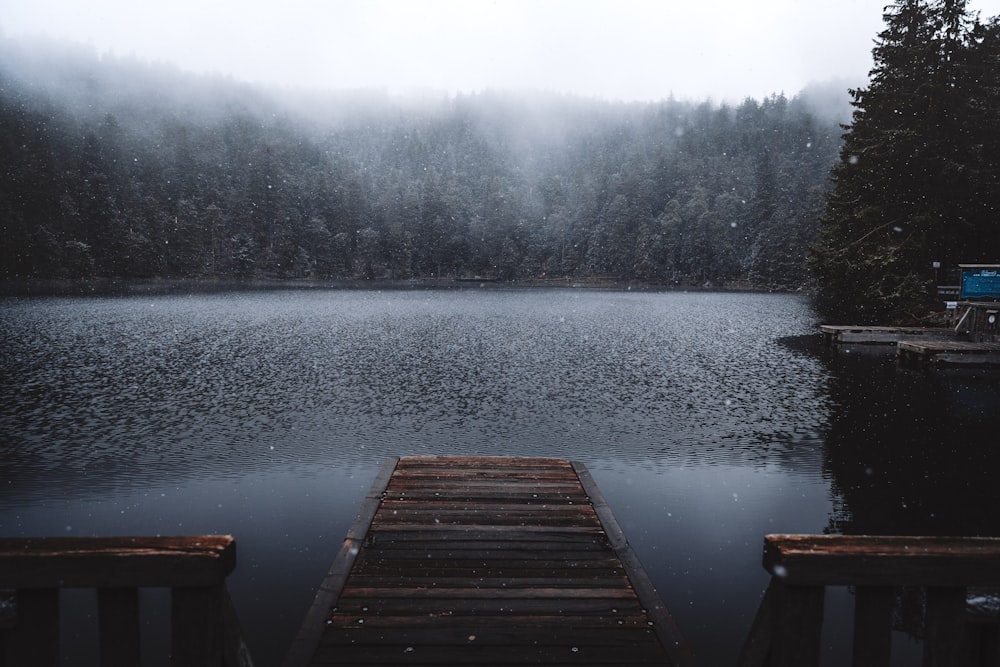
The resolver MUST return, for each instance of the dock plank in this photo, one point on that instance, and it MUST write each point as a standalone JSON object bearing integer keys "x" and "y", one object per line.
{"x": 954, "y": 352}
{"x": 839, "y": 333}
{"x": 476, "y": 560}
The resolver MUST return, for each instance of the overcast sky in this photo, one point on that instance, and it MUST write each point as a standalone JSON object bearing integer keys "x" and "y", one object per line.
{"x": 725, "y": 50}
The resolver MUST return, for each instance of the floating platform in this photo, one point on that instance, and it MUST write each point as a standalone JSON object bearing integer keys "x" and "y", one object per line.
{"x": 952, "y": 352}
{"x": 470, "y": 560}
{"x": 838, "y": 333}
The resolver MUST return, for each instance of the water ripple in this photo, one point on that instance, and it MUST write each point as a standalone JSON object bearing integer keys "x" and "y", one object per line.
{"x": 113, "y": 389}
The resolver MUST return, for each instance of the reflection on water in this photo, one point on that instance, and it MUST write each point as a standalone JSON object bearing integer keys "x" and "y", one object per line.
{"x": 912, "y": 451}
{"x": 266, "y": 415}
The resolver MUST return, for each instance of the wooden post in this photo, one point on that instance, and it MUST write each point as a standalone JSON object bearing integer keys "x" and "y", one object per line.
{"x": 118, "y": 623}
{"x": 798, "y": 626}
{"x": 985, "y": 649}
{"x": 196, "y": 626}
{"x": 946, "y": 632}
{"x": 35, "y": 637}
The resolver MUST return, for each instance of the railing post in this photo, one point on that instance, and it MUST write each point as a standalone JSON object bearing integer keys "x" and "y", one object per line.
{"x": 196, "y": 620}
{"x": 946, "y": 632}
{"x": 34, "y": 640}
{"x": 985, "y": 649}
{"x": 798, "y": 626}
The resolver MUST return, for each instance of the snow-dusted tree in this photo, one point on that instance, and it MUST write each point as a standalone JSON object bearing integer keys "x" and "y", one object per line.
{"x": 910, "y": 162}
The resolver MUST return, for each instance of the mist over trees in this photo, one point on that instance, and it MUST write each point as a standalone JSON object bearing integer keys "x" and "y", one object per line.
{"x": 918, "y": 180}
{"x": 111, "y": 167}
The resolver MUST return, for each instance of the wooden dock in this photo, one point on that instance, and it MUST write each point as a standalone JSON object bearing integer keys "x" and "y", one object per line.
{"x": 879, "y": 335}
{"x": 953, "y": 352}
{"x": 480, "y": 560}
{"x": 917, "y": 345}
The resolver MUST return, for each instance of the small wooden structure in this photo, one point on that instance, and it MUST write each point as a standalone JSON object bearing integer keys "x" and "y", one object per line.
{"x": 468, "y": 560}
{"x": 787, "y": 629}
{"x": 954, "y": 352}
{"x": 878, "y": 335}
{"x": 915, "y": 345}
{"x": 205, "y": 632}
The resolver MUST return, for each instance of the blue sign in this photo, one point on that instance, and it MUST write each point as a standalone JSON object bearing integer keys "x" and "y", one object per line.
{"x": 981, "y": 284}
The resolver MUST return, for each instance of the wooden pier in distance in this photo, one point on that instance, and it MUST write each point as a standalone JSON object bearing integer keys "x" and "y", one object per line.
{"x": 879, "y": 335}
{"x": 486, "y": 560}
{"x": 917, "y": 345}
{"x": 952, "y": 352}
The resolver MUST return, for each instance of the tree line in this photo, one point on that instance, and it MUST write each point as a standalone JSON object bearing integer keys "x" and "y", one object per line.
{"x": 917, "y": 183}
{"x": 117, "y": 168}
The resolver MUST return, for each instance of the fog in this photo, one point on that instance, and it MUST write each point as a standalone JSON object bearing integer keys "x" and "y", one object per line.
{"x": 162, "y": 173}
{"x": 623, "y": 50}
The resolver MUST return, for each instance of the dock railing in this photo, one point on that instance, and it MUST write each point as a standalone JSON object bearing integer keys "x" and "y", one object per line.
{"x": 788, "y": 626}
{"x": 204, "y": 628}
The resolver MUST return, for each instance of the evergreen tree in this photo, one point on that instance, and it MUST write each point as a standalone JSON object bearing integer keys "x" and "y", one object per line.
{"x": 906, "y": 172}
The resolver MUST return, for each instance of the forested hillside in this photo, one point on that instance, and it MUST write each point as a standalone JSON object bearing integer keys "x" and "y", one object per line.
{"x": 112, "y": 167}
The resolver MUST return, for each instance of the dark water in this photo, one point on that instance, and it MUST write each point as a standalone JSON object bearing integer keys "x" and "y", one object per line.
{"x": 708, "y": 420}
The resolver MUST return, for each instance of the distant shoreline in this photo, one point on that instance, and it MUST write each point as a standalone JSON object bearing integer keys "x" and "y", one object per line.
{"x": 159, "y": 286}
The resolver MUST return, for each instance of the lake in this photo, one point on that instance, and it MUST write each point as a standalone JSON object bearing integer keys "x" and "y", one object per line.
{"x": 707, "y": 419}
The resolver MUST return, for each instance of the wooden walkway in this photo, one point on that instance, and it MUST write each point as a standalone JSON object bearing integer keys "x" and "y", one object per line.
{"x": 949, "y": 352}
{"x": 839, "y": 333}
{"x": 500, "y": 561}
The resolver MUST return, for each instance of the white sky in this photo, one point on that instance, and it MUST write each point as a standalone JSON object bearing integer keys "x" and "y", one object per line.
{"x": 612, "y": 49}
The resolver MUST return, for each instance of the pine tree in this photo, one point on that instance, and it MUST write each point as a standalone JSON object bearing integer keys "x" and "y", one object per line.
{"x": 981, "y": 145}
{"x": 905, "y": 175}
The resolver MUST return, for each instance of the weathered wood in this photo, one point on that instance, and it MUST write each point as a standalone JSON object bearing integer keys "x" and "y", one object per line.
{"x": 194, "y": 568}
{"x": 471, "y": 560}
{"x": 845, "y": 560}
{"x": 873, "y": 625}
{"x": 499, "y": 530}
{"x": 946, "y": 634}
{"x": 55, "y": 562}
{"x": 196, "y": 620}
{"x": 484, "y": 604}
{"x": 34, "y": 639}
{"x": 118, "y": 626}
{"x": 956, "y": 352}
{"x": 798, "y": 626}
{"x": 985, "y": 645}
{"x": 888, "y": 335}
{"x": 551, "y": 654}
{"x": 517, "y": 629}
{"x": 802, "y": 565}
{"x": 462, "y": 540}
{"x": 497, "y": 596}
